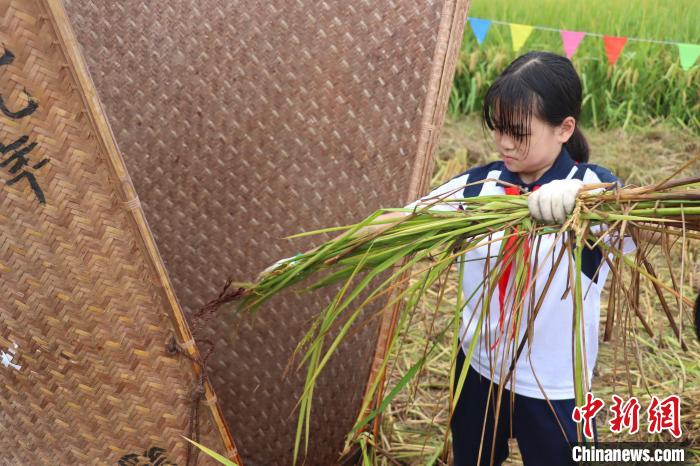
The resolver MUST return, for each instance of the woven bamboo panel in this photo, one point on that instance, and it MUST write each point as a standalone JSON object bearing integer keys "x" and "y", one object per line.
{"x": 242, "y": 122}
{"x": 85, "y": 303}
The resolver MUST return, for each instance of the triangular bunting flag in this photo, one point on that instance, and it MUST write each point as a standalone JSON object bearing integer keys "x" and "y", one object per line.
{"x": 519, "y": 34}
{"x": 613, "y": 47}
{"x": 480, "y": 27}
{"x": 689, "y": 53}
{"x": 571, "y": 41}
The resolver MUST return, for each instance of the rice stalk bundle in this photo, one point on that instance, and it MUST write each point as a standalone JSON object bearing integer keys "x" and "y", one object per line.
{"x": 427, "y": 242}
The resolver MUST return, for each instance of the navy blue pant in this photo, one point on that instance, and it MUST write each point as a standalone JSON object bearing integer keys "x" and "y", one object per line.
{"x": 540, "y": 439}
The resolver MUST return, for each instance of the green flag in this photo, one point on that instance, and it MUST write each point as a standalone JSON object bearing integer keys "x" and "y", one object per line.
{"x": 689, "y": 53}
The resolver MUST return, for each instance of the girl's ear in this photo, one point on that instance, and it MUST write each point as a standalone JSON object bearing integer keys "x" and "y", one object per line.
{"x": 566, "y": 129}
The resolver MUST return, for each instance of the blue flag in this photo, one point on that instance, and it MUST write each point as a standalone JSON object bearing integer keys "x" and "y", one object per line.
{"x": 480, "y": 28}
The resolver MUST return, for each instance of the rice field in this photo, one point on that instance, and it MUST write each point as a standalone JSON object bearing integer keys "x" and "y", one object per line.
{"x": 645, "y": 85}
{"x": 415, "y": 430}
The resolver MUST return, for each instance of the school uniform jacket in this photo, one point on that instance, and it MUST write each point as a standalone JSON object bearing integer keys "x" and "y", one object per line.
{"x": 548, "y": 358}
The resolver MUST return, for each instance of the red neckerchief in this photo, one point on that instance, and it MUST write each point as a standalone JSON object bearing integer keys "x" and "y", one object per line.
{"x": 505, "y": 272}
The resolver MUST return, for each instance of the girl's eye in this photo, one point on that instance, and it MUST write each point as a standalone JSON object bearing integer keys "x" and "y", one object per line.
{"x": 516, "y": 135}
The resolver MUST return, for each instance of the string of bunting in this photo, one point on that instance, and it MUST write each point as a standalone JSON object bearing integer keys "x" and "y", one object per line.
{"x": 572, "y": 39}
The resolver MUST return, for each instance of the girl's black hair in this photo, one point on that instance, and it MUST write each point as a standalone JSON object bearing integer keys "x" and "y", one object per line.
{"x": 542, "y": 83}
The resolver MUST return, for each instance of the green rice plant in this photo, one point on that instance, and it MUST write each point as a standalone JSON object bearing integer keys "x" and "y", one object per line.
{"x": 646, "y": 84}
{"x": 427, "y": 243}
{"x": 220, "y": 458}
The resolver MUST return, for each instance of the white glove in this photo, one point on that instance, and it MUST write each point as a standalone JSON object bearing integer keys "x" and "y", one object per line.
{"x": 553, "y": 201}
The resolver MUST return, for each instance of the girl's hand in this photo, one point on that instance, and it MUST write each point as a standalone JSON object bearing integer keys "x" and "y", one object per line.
{"x": 361, "y": 232}
{"x": 553, "y": 201}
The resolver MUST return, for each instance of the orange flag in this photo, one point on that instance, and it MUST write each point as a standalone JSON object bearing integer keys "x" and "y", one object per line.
{"x": 613, "y": 47}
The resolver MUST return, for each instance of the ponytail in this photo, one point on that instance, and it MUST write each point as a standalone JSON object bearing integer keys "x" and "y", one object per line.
{"x": 578, "y": 146}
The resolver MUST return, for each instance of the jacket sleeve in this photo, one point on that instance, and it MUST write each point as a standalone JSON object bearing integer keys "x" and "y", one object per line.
{"x": 600, "y": 174}
{"x": 442, "y": 195}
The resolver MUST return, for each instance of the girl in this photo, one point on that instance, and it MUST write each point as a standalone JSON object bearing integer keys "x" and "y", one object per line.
{"x": 532, "y": 108}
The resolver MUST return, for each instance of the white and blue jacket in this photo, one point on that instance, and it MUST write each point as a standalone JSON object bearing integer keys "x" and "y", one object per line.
{"x": 549, "y": 356}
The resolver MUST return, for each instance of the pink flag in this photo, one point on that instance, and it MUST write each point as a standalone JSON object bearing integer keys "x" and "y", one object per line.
{"x": 571, "y": 40}
{"x": 613, "y": 47}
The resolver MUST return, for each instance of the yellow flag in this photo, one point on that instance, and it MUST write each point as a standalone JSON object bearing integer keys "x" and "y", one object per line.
{"x": 519, "y": 34}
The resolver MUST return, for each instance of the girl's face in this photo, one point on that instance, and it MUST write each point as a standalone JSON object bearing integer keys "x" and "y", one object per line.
{"x": 532, "y": 160}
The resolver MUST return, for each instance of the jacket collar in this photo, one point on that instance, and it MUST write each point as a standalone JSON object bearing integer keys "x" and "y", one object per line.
{"x": 559, "y": 170}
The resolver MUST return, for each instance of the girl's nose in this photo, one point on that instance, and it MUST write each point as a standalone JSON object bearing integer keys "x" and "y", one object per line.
{"x": 505, "y": 141}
